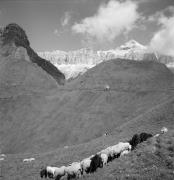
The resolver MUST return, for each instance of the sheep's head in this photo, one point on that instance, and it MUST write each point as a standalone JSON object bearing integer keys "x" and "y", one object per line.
{"x": 43, "y": 173}
{"x": 164, "y": 130}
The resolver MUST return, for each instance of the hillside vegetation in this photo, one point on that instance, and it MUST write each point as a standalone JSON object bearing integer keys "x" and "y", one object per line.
{"x": 153, "y": 159}
{"x": 81, "y": 110}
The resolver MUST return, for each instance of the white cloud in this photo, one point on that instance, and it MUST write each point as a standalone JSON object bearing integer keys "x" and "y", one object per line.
{"x": 111, "y": 20}
{"x": 66, "y": 19}
{"x": 163, "y": 39}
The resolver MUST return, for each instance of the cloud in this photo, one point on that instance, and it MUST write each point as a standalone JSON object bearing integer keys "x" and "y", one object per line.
{"x": 111, "y": 20}
{"x": 163, "y": 39}
{"x": 167, "y": 12}
{"x": 66, "y": 19}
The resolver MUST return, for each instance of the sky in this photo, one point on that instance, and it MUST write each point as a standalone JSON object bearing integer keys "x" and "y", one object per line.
{"x": 101, "y": 24}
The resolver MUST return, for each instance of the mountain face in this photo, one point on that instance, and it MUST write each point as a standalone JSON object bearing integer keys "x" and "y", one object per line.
{"x": 131, "y": 50}
{"x": 87, "y": 57}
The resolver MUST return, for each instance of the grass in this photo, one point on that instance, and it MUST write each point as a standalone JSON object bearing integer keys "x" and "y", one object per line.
{"x": 80, "y": 112}
{"x": 150, "y": 160}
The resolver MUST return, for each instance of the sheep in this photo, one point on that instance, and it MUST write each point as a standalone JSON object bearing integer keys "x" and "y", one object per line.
{"x": 134, "y": 141}
{"x": 73, "y": 170}
{"x": 164, "y": 130}
{"x": 59, "y": 172}
{"x": 43, "y": 173}
{"x": 120, "y": 147}
{"x": 104, "y": 158}
{"x": 49, "y": 171}
{"x": 85, "y": 164}
{"x": 28, "y": 160}
{"x": 96, "y": 162}
{"x": 109, "y": 152}
{"x": 107, "y": 87}
{"x": 2, "y": 159}
{"x": 3, "y": 155}
{"x": 144, "y": 136}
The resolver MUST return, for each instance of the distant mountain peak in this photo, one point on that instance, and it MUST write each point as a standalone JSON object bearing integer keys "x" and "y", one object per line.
{"x": 132, "y": 44}
{"x": 73, "y": 63}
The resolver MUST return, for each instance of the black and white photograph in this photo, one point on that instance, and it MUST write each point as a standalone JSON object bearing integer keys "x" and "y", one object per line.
{"x": 86, "y": 89}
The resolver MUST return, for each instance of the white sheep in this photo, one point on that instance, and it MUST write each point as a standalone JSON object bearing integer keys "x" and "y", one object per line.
{"x": 108, "y": 151}
{"x": 85, "y": 164}
{"x": 2, "y": 159}
{"x": 74, "y": 170}
{"x": 120, "y": 147}
{"x": 107, "y": 87}
{"x": 59, "y": 172}
{"x": 104, "y": 158}
{"x": 164, "y": 130}
{"x": 3, "y": 155}
{"x": 28, "y": 160}
{"x": 51, "y": 171}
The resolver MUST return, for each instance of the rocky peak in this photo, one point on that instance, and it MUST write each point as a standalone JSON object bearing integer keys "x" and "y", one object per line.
{"x": 14, "y": 42}
{"x": 132, "y": 44}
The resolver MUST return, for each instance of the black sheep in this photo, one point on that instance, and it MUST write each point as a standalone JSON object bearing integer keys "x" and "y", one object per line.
{"x": 145, "y": 136}
{"x": 96, "y": 162}
{"x": 43, "y": 173}
{"x": 134, "y": 141}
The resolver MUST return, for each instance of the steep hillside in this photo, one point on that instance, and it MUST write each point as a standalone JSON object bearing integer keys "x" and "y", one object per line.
{"x": 83, "y": 109}
{"x": 13, "y": 36}
{"x": 126, "y": 76}
{"x": 153, "y": 159}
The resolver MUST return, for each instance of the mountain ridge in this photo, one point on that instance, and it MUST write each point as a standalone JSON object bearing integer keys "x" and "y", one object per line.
{"x": 77, "y": 62}
{"x": 131, "y": 50}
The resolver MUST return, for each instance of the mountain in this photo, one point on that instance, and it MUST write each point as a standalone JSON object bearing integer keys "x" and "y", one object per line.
{"x": 13, "y": 36}
{"x": 87, "y": 58}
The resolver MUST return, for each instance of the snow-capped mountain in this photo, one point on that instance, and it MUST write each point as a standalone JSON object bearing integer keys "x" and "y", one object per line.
{"x": 77, "y": 62}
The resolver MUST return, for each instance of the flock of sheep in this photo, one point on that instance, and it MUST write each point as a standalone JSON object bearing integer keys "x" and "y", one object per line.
{"x": 90, "y": 164}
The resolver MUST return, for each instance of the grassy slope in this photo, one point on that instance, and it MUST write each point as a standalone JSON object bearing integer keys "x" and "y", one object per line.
{"x": 151, "y": 160}
{"x": 127, "y": 109}
{"x": 81, "y": 110}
